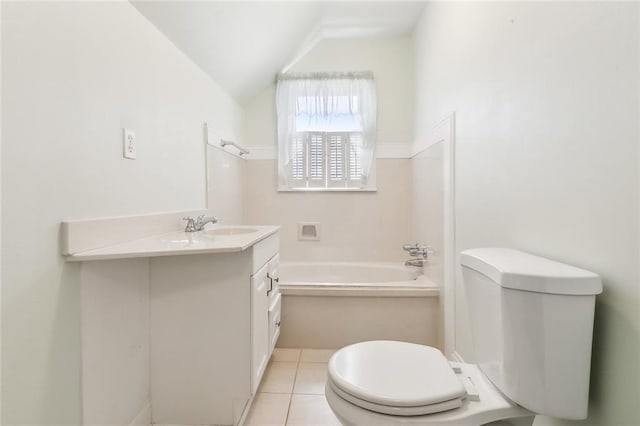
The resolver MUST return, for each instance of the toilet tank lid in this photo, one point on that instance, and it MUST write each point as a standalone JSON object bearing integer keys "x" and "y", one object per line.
{"x": 523, "y": 271}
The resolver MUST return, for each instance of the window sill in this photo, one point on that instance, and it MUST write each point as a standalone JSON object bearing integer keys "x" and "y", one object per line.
{"x": 372, "y": 189}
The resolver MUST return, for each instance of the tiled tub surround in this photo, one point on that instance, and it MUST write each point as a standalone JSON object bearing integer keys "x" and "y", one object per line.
{"x": 226, "y": 183}
{"x": 355, "y": 226}
{"x": 333, "y": 304}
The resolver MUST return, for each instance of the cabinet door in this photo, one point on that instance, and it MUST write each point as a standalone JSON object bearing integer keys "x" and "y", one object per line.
{"x": 274, "y": 302}
{"x": 259, "y": 325}
{"x": 274, "y": 322}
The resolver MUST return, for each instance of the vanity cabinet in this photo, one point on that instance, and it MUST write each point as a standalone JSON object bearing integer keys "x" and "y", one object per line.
{"x": 177, "y": 327}
{"x": 211, "y": 332}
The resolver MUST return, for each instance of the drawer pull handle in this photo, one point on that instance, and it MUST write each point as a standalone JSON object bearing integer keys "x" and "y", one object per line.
{"x": 270, "y": 278}
{"x": 278, "y": 324}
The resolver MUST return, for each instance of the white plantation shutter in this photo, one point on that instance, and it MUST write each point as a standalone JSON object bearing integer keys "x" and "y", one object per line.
{"x": 355, "y": 157}
{"x": 297, "y": 157}
{"x": 316, "y": 159}
{"x": 336, "y": 157}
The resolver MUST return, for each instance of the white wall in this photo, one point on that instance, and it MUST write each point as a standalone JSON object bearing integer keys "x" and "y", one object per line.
{"x": 546, "y": 102}
{"x": 390, "y": 59}
{"x": 0, "y": 220}
{"x": 355, "y": 226}
{"x": 73, "y": 75}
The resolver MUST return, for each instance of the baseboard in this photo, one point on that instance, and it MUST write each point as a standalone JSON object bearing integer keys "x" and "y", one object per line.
{"x": 143, "y": 417}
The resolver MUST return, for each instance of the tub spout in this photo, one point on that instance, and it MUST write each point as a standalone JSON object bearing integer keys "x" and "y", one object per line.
{"x": 419, "y": 263}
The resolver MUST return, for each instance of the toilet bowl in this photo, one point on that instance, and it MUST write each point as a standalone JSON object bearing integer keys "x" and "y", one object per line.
{"x": 532, "y": 323}
{"x": 388, "y": 382}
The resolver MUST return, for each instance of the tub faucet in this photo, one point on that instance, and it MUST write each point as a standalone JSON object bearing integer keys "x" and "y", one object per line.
{"x": 198, "y": 223}
{"x": 419, "y": 252}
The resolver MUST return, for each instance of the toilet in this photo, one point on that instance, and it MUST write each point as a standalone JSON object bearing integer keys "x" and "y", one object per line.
{"x": 532, "y": 324}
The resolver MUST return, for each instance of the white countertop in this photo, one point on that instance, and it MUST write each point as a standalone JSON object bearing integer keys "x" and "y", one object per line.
{"x": 180, "y": 243}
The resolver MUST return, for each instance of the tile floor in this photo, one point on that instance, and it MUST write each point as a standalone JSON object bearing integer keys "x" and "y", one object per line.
{"x": 292, "y": 390}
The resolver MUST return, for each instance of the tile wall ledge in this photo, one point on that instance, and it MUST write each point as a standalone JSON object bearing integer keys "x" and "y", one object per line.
{"x": 78, "y": 236}
{"x": 419, "y": 146}
{"x": 383, "y": 151}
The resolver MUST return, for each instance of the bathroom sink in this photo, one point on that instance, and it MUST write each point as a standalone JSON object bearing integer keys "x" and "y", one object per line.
{"x": 189, "y": 239}
{"x": 231, "y": 231}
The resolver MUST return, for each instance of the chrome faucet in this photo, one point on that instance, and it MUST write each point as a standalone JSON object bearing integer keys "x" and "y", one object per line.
{"x": 198, "y": 223}
{"x": 419, "y": 252}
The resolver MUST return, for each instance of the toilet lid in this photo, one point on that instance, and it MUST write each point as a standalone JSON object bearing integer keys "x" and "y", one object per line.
{"x": 395, "y": 374}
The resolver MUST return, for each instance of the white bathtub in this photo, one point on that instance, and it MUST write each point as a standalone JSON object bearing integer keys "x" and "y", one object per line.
{"x": 342, "y": 278}
{"x": 332, "y": 304}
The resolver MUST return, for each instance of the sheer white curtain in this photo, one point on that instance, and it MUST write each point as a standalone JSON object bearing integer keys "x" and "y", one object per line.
{"x": 325, "y": 102}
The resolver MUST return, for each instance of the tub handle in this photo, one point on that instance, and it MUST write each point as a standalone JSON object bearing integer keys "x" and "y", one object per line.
{"x": 418, "y": 250}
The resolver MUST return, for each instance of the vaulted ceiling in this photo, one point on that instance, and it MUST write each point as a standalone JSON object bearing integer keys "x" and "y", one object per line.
{"x": 242, "y": 45}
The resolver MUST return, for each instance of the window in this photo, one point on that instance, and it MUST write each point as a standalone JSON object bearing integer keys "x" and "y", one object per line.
{"x": 326, "y": 130}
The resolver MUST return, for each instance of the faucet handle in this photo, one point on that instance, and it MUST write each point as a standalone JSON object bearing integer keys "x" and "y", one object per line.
{"x": 418, "y": 250}
{"x": 202, "y": 220}
{"x": 191, "y": 224}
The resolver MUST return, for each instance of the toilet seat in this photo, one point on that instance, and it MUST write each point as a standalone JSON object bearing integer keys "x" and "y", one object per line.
{"x": 491, "y": 405}
{"x": 396, "y": 411}
{"x": 395, "y": 378}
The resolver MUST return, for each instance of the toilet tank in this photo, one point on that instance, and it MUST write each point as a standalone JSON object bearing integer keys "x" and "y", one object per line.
{"x": 532, "y": 326}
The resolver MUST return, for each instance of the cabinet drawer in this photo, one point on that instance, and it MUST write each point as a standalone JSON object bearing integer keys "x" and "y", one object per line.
{"x": 274, "y": 320}
{"x": 264, "y": 250}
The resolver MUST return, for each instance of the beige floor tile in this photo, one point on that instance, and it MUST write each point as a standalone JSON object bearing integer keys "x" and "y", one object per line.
{"x": 316, "y": 355}
{"x": 279, "y": 377}
{"x": 268, "y": 409}
{"x": 310, "y": 410}
{"x": 311, "y": 378}
{"x": 285, "y": 354}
